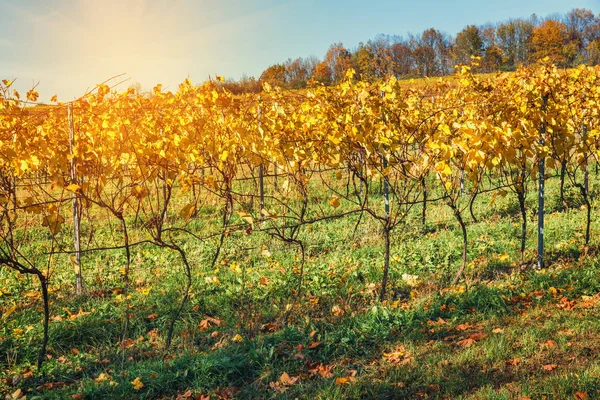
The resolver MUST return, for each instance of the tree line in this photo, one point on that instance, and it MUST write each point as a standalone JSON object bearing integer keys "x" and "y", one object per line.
{"x": 566, "y": 39}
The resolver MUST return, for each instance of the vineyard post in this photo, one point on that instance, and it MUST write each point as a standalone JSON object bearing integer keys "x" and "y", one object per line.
{"x": 586, "y": 176}
{"x": 261, "y": 173}
{"x": 386, "y": 188}
{"x": 542, "y": 165}
{"x": 261, "y": 186}
{"x": 586, "y": 188}
{"x": 75, "y": 200}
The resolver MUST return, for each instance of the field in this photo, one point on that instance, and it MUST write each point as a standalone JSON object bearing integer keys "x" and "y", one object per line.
{"x": 368, "y": 240}
{"x": 510, "y": 331}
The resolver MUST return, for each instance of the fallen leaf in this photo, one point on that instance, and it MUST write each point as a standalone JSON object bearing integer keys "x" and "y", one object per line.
{"x": 463, "y": 327}
{"x": 337, "y": 311}
{"x": 478, "y": 336}
{"x": 581, "y": 395}
{"x": 137, "y": 383}
{"x": 151, "y": 317}
{"x": 325, "y": 371}
{"x": 465, "y": 342}
{"x": 498, "y": 330}
{"x": 237, "y": 338}
{"x": 345, "y": 380}
{"x": 549, "y": 367}
{"x": 285, "y": 379}
{"x": 103, "y": 377}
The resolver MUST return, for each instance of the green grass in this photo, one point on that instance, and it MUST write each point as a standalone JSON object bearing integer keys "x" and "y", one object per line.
{"x": 414, "y": 345}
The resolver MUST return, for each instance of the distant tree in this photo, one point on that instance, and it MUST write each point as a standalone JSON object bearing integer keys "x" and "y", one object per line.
{"x": 338, "y": 59}
{"x": 582, "y": 29}
{"x": 514, "y": 38}
{"x": 297, "y": 72}
{"x": 382, "y": 62}
{"x": 322, "y": 73}
{"x": 468, "y": 43}
{"x": 403, "y": 60}
{"x": 274, "y": 75}
{"x": 364, "y": 60}
{"x": 550, "y": 40}
{"x": 425, "y": 59}
{"x": 492, "y": 59}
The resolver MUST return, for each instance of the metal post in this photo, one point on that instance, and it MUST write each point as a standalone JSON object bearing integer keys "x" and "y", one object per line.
{"x": 586, "y": 177}
{"x": 386, "y": 188}
{"x": 75, "y": 200}
{"x": 261, "y": 173}
{"x": 542, "y": 167}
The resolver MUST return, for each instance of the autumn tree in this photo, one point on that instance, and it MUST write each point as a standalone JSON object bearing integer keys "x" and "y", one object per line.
{"x": 403, "y": 61}
{"x": 274, "y": 75}
{"x": 550, "y": 40}
{"x": 364, "y": 60}
{"x": 338, "y": 59}
{"x": 432, "y": 53}
{"x": 583, "y": 29}
{"x": 514, "y": 38}
{"x": 468, "y": 43}
{"x": 322, "y": 73}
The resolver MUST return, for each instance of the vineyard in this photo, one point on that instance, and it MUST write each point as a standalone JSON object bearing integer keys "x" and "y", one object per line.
{"x": 199, "y": 244}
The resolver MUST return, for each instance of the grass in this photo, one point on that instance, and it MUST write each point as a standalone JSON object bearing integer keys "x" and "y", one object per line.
{"x": 507, "y": 332}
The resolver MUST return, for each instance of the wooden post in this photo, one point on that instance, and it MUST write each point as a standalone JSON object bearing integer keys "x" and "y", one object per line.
{"x": 75, "y": 200}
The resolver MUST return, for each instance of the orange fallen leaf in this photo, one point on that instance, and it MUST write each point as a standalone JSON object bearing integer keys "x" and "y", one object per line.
{"x": 285, "y": 379}
{"x": 478, "y": 336}
{"x": 465, "y": 342}
{"x": 463, "y": 327}
{"x": 549, "y": 367}
{"x": 345, "y": 380}
{"x": 549, "y": 344}
{"x": 151, "y": 317}
{"x": 325, "y": 371}
{"x": 337, "y": 311}
{"x": 581, "y": 395}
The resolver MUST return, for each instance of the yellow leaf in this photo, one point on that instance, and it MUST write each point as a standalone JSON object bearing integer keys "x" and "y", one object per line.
{"x": 73, "y": 188}
{"x": 188, "y": 211}
{"x": 246, "y": 217}
{"x": 237, "y": 338}
{"x": 32, "y": 95}
{"x": 334, "y": 202}
{"x": 9, "y": 311}
{"x": 443, "y": 168}
{"x": 137, "y": 383}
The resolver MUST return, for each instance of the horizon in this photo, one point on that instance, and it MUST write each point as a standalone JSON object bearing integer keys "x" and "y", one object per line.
{"x": 69, "y": 47}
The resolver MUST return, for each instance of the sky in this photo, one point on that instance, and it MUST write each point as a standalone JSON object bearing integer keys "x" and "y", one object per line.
{"x": 66, "y": 47}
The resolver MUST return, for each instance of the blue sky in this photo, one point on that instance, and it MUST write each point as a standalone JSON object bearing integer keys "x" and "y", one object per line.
{"x": 70, "y": 45}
